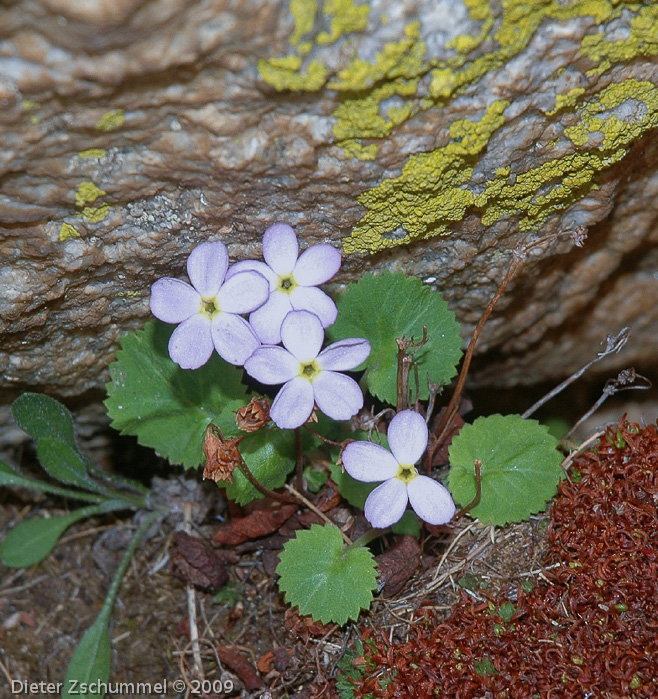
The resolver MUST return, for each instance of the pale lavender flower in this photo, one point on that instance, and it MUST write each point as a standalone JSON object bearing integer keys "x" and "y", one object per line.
{"x": 365, "y": 461}
{"x": 293, "y": 281}
{"x": 208, "y": 309}
{"x": 309, "y": 376}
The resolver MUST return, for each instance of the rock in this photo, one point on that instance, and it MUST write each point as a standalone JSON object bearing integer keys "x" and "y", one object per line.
{"x": 428, "y": 136}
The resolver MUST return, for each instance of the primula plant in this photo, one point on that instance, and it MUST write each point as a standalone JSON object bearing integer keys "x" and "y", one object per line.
{"x": 238, "y": 377}
{"x": 258, "y": 327}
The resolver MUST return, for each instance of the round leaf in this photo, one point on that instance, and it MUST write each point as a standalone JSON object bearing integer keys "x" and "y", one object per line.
{"x": 324, "y": 579}
{"x": 166, "y": 407}
{"x": 388, "y": 306}
{"x": 520, "y": 467}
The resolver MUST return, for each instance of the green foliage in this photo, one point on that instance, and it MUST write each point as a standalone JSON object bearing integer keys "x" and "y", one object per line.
{"x": 388, "y": 306}
{"x": 10, "y": 477}
{"x": 43, "y": 417}
{"x": 270, "y": 456}
{"x": 324, "y": 579}
{"x": 166, "y": 407}
{"x": 350, "y": 673}
{"x": 31, "y": 541}
{"x": 520, "y": 467}
{"x": 91, "y": 661}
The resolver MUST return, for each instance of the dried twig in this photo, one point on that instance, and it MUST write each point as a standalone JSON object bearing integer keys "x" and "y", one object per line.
{"x": 625, "y": 381}
{"x": 614, "y": 343}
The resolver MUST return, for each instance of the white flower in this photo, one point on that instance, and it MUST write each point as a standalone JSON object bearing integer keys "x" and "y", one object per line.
{"x": 407, "y": 438}
{"x": 309, "y": 376}
{"x": 208, "y": 309}
{"x": 293, "y": 281}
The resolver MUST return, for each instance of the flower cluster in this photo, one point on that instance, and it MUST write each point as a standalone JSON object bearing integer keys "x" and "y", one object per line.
{"x": 407, "y": 438}
{"x": 285, "y": 306}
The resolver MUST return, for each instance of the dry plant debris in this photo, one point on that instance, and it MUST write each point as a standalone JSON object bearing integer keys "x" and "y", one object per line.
{"x": 590, "y": 631}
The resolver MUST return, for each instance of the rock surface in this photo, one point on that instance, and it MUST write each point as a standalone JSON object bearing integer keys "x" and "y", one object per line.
{"x": 420, "y": 135}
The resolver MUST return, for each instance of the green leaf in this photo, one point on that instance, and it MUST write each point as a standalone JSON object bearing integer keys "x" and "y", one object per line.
{"x": 166, "y": 407}
{"x": 63, "y": 463}
{"x": 90, "y": 664}
{"x": 43, "y": 417}
{"x": 520, "y": 467}
{"x": 324, "y": 579}
{"x": 31, "y": 541}
{"x": 385, "y": 307}
{"x": 270, "y": 456}
{"x": 9, "y": 477}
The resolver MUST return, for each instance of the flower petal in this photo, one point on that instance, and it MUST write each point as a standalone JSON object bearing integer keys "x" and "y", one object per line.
{"x": 253, "y": 266}
{"x": 308, "y": 298}
{"x": 337, "y": 395}
{"x": 267, "y": 320}
{"x": 272, "y": 365}
{"x": 280, "y": 248}
{"x": 369, "y": 462}
{"x": 190, "y": 345}
{"x": 386, "y": 504}
{"x": 430, "y": 500}
{"x": 233, "y": 337}
{"x": 206, "y": 267}
{"x": 174, "y": 301}
{"x": 344, "y": 354}
{"x": 293, "y": 404}
{"x": 317, "y": 265}
{"x": 407, "y": 436}
{"x": 302, "y": 335}
{"x": 243, "y": 292}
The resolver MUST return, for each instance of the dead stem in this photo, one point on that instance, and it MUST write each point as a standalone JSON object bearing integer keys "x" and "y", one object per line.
{"x": 519, "y": 255}
{"x": 614, "y": 343}
{"x": 197, "y": 667}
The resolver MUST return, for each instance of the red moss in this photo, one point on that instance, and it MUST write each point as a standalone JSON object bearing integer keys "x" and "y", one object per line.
{"x": 592, "y": 633}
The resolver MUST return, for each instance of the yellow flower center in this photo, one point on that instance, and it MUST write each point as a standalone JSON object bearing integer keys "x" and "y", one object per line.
{"x": 209, "y": 307}
{"x": 406, "y": 473}
{"x": 286, "y": 284}
{"x": 309, "y": 370}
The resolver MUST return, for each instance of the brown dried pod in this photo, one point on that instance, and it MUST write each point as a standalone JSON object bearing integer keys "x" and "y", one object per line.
{"x": 254, "y": 415}
{"x": 222, "y": 455}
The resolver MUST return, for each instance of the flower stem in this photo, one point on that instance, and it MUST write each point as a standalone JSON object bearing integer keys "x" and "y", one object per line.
{"x": 260, "y": 487}
{"x": 478, "y": 490}
{"x": 300, "y": 460}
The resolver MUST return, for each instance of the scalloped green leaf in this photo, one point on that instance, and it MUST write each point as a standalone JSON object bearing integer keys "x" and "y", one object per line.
{"x": 43, "y": 417}
{"x": 323, "y": 578}
{"x": 270, "y": 456}
{"x": 520, "y": 467}
{"x": 387, "y": 306}
{"x": 166, "y": 407}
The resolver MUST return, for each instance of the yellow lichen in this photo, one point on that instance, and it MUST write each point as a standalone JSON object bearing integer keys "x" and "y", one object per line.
{"x": 284, "y": 74}
{"x": 345, "y": 17}
{"x": 67, "y": 232}
{"x": 566, "y": 101}
{"x": 92, "y": 153}
{"x": 110, "y": 121}
{"x": 95, "y": 214}
{"x": 87, "y": 193}
{"x": 303, "y": 12}
{"x": 430, "y": 193}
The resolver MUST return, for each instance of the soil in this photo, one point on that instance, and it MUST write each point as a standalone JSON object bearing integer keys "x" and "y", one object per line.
{"x": 249, "y": 639}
